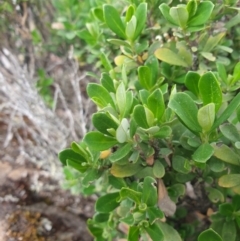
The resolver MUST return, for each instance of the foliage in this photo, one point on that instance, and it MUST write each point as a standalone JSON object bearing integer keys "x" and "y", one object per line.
{"x": 168, "y": 117}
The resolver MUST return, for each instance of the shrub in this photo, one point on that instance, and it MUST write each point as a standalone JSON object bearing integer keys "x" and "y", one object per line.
{"x": 164, "y": 158}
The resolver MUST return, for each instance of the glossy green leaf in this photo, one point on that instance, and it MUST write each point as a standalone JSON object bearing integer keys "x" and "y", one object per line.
{"x": 107, "y": 82}
{"x": 154, "y": 214}
{"x": 153, "y": 64}
{"x": 113, "y": 20}
{"x": 229, "y": 232}
{"x": 236, "y": 73}
{"x": 222, "y": 72}
{"x": 105, "y": 61}
{"x": 131, "y": 194}
{"x": 158, "y": 169}
{"x": 155, "y": 103}
{"x": 122, "y": 132}
{"x": 129, "y": 13}
{"x": 125, "y": 170}
{"x": 210, "y": 90}
{"x": 76, "y": 165}
{"x": 229, "y": 180}
{"x": 230, "y": 132}
{"x": 98, "y": 12}
{"x": 226, "y": 154}
{"x": 215, "y": 195}
{"x": 102, "y": 122}
{"x": 203, "y": 13}
{"x": 133, "y": 233}
{"x": 92, "y": 175}
{"x": 80, "y": 148}
{"x": 145, "y": 77}
{"x": 97, "y": 141}
{"x": 169, "y": 233}
{"x": 191, "y": 82}
{"x": 99, "y": 95}
{"x": 170, "y": 57}
{"x": 165, "y": 9}
{"x": 71, "y": 155}
{"x": 143, "y": 96}
{"x": 186, "y": 110}
{"x": 228, "y": 111}
{"x": 121, "y": 153}
{"x": 117, "y": 183}
{"x": 131, "y": 27}
{"x": 101, "y": 217}
{"x": 212, "y": 42}
{"x": 203, "y": 153}
{"x": 139, "y": 116}
{"x": 180, "y": 15}
{"x": 141, "y": 15}
{"x": 119, "y": 42}
{"x": 209, "y": 235}
{"x": 155, "y": 232}
{"x": 107, "y": 203}
{"x": 165, "y": 131}
{"x": 149, "y": 193}
{"x": 206, "y": 116}
{"x": 191, "y": 7}
{"x": 179, "y": 164}
{"x": 121, "y": 98}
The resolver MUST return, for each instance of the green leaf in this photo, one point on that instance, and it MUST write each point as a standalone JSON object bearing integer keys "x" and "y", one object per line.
{"x": 80, "y": 149}
{"x": 165, "y": 9}
{"x": 155, "y": 232}
{"x": 236, "y": 73}
{"x": 77, "y": 165}
{"x": 131, "y": 27}
{"x": 229, "y": 180}
{"x": 102, "y": 122}
{"x": 230, "y": 132}
{"x": 209, "y": 235}
{"x": 121, "y": 152}
{"x": 92, "y": 175}
{"x": 215, "y": 195}
{"x": 122, "y": 133}
{"x": 229, "y": 232}
{"x": 208, "y": 56}
{"x": 131, "y": 194}
{"x": 154, "y": 213}
{"x": 129, "y": 101}
{"x": 186, "y": 110}
{"x": 113, "y": 20}
{"x": 169, "y": 233}
{"x": 226, "y": 154}
{"x": 117, "y": 183}
{"x": 203, "y": 13}
{"x": 212, "y": 42}
{"x": 206, "y": 116}
{"x": 145, "y": 77}
{"x": 121, "y": 98}
{"x": 192, "y": 7}
{"x": 133, "y": 233}
{"x": 180, "y": 15}
{"x": 149, "y": 193}
{"x": 119, "y": 42}
{"x": 107, "y": 203}
{"x": 71, "y": 155}
{"x": 129, "y": 13}
{"x": 139, "y": 116}
{"x": 153, "y": 64}
{"x": 107, "y": 82}
{"x": 155, "y": 103}
{"x": 98, "y": 12}
{"x": 125, "y": 170}
{"x": 105, "y": 61}
{"x": 226, "y": 209}
{"x": 191, "y": 82}
{"x": 141, "y": 15}
{"x": 101, "y": 217}
{"x": 99, "y": 95}
{"x": 228, "y": 111}
{"x": 97, "y": 141}
{"x": 170, "y": 57}
{"x": 158, "y": 169}
{"x": 210, "y": 90}
{"x": 179, "y": 164}
{"x": 203, "y": 153}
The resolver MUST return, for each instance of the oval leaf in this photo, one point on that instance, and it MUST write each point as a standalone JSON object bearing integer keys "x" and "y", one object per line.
{"x": 97, "y": 141}
{"x": 210, "y": 90}
{"x": 206, "y": 116}
{"x": 113, "y": 20}
{"x": 107, "y": 203}
{"x": 230, "y": 180}
{"x": 185, "y": 108}
{"x": 209, "y": 235}
{"x": 203, "y": 153}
